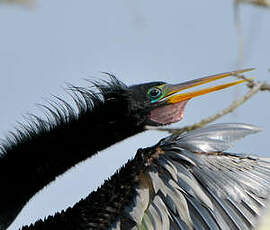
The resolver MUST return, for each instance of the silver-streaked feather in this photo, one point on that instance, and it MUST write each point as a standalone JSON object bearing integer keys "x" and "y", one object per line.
{"x": 215, "y": 138}
{"x": 193, "y": 184}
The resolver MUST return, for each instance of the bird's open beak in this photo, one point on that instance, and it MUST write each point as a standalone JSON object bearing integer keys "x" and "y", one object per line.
{"x": 173, "y": 96}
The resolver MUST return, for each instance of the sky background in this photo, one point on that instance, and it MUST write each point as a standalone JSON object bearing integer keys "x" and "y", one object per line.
{"x": 138, "y": 41}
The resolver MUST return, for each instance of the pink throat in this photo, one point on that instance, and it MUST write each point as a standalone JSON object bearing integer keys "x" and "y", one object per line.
{"x": 169, "y": 113}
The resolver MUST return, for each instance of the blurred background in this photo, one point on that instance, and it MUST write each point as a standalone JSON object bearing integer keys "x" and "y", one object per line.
{"x": 44, "y": 44}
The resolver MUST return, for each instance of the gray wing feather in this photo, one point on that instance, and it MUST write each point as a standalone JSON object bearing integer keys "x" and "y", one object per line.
{"x": 215, "y": 138}
{"x": 195, "y": 185}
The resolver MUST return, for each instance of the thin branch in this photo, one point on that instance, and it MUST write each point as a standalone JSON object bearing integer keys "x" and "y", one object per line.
{"x": 252, "y": 83}
{"x": 262, "y": 3}
{"x": 235, "y": 104}
{"x": 26, "y": 3}
{"x": 265, "y": 86}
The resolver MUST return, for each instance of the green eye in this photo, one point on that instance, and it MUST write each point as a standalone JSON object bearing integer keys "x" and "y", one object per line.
{"x": 154, "y": 93}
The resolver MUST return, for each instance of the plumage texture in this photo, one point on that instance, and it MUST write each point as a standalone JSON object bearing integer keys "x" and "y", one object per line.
{"x": 175, "y": 185}
{"x": 36, "y": 154}
{"x": 215, "y": 138}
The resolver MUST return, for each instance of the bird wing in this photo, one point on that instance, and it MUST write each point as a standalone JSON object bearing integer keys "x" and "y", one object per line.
{"x": 189, "y": 182}
{"x": 184, "y": 182}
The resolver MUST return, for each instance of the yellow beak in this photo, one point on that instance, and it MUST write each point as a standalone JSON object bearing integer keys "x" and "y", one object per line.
{"x": 173, "y": 89}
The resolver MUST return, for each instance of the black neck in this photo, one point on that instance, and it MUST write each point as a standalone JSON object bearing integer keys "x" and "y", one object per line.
{"x": 47, "y": 150}
{"x": 101, "y": 208}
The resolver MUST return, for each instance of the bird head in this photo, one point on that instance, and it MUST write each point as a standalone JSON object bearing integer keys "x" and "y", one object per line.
{"x": 159, "y": 103}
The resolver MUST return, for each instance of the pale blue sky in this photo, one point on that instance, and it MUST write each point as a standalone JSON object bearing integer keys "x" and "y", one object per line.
{"x": 67, "y": 41}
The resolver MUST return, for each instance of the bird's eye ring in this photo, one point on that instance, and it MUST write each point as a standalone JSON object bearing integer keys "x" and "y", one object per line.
{"x": 155, "y": 93}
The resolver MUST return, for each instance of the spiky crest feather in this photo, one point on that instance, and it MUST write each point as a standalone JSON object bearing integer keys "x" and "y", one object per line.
{"x": 36, "y": 153}
{"x": 60, "y": 113}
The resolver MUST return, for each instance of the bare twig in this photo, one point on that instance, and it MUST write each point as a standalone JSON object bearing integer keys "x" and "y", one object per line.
{"x": 265, "y": 86}
{"x": 235, "y": 104}
{"x": 251, "y": 83}
{"x": 263, "y": 3}
{"x": 26, "y": 3}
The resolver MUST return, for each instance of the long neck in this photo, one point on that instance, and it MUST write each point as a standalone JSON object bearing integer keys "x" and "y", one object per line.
{"x": 38, "y": 157}
{"x": 101, "y": 208}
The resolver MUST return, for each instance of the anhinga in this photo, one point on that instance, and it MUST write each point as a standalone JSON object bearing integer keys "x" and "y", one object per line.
{"x": 36, "y": 155}
{"x": 184, "y": 182}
